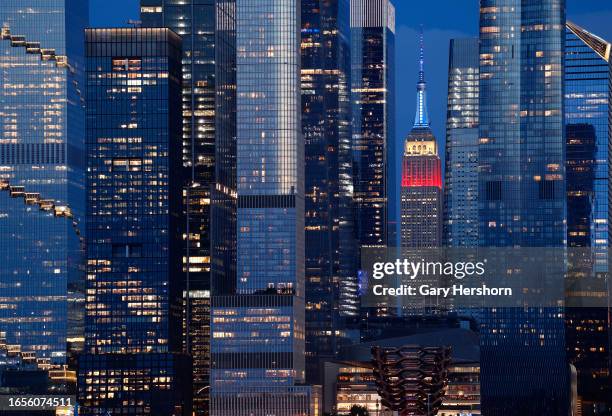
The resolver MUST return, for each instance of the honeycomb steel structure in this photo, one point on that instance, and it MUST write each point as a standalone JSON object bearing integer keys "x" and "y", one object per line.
{"x": 411, "y": 380}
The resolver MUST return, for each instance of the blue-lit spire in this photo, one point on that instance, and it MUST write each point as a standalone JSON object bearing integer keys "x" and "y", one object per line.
{"x": 421, "y": 118}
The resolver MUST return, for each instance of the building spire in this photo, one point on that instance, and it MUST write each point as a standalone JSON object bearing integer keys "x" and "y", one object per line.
{"x": 421, "y": 118}
{"x": 422, "y": 57}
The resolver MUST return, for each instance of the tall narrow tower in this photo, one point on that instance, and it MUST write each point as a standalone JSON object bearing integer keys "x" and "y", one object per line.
{"x": 133, "y": 329}
{"x": 588, "y": 118}
{"x": 257, "y": 323}
{"x": 521, "y": 195}
{"x": 330, "y": 243}
{"x": 421, "y": 187}
{"x": 461, "y": 153}
{"x": 195, "y": 21}
{"x": 373, "y": 101}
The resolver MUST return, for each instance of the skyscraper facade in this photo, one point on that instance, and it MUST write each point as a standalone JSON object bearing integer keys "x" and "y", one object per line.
{"x": 461, "y": 173}
{"x": 258, "y": 330}
{"x": 42, "y": 170}
{"x": 331, "y": 264}
{"x": 421, "y": 187}
{"x": 522, "y": 200}
{"x": 587, "y": 74}
{"x": 195, "y": 21}
{"x": 421, "y": 194}
{"x": 224, "y": 195}
{"x": 587, "y": 124}
{"x": 373, "y": 100}
{"x": 521, "y": 195}
{"x": 133, "y": 327}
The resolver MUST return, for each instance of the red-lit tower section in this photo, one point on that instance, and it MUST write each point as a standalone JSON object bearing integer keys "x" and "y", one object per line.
{"x": 421, "y": 189}
{"x": 421, "y": 170}
{"x": 421, "y": 194}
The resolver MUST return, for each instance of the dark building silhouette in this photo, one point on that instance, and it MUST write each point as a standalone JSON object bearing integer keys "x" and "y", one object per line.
{"x": 331, "y": 250}
{"x": 195, "y": 22}
{"x": 587, "y": 117}
{"x": 581, "y": 165}
{"x": 373, "y": 101}
{"x": 133, "y": 325}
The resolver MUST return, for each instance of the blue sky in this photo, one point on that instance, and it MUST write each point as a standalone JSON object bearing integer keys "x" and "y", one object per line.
{"x": 442, "y": 20}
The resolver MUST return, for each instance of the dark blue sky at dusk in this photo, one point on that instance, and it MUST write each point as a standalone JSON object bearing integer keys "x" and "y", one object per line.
{"x": 441, "y": 19}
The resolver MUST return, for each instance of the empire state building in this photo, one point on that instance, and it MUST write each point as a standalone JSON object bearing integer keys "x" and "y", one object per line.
{"x": 421, "y": 187}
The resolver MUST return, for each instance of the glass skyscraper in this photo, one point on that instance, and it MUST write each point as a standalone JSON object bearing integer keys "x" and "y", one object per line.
{"x": 194, "y": 21}
{"x": 587, "y": 75}
{"x": 421, "y": 186}
{"x": 257, "y": 347}
{"x": 331, "y": 264}
{"x": 224, "y": 195}
{"x": 133, "y": 326}
{"x": 461, "y": 174}
{"x": 373, "y": 101}
{"x": 521, "y": 196}
{"x": 41, "y": 170}
{"x": 587, "y": 123}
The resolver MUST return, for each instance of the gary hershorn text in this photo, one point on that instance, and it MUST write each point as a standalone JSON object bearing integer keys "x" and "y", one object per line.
{"x": 427, "y": 290}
